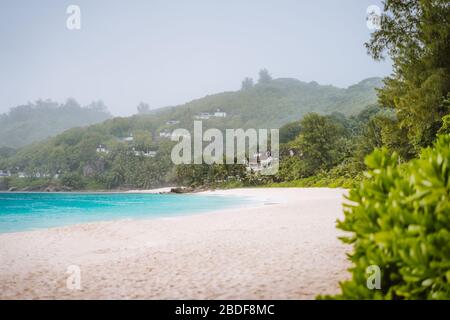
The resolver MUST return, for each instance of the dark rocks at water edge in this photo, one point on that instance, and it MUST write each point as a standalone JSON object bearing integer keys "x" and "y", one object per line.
{"x": 189, "y": 189}
{"x": 181, "y": 190}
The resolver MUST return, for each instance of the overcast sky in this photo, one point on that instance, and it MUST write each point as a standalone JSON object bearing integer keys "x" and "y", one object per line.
{"x": 169, "y": 52}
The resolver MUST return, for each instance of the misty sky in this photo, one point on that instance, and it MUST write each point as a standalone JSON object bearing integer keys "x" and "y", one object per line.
{"x": 169, "y": 52}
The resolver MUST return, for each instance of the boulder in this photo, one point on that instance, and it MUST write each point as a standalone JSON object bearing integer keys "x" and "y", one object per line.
{"x": 181, "y": 190}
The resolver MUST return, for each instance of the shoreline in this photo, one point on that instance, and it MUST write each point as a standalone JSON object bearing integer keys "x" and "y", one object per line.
{"x": 279, "y": 249}
{"x": 254, "y": 202}
{"x": 146, "y": 191}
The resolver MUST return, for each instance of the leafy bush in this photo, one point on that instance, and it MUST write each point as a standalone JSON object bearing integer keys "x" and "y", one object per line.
{"x": 4, "y": 183}
{"x": 399, "y": 219}
{"x": 322, "y": 180}
{"x": 29, "y": 184}
{"x": 343, "y": 175}
{"x": 74, "y": 181}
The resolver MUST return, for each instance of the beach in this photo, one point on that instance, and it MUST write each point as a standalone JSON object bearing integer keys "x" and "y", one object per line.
{"x": 284, "y": 247}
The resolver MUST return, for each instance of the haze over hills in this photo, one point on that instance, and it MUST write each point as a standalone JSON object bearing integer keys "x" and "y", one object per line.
{"x": 274, "y": 103}
{"x": 37, "y": 121}
{"x": 270, "y": 103}
{"x": 135, "y": 151}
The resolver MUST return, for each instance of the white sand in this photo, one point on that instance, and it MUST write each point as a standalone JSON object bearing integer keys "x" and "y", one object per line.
{"x": 287, "y": 248}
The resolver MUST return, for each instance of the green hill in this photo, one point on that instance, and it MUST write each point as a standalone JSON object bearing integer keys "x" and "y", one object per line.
{"x": 124, "y": 159}
{"x": 273, "y": 104}
{"x": 25, "y": 124}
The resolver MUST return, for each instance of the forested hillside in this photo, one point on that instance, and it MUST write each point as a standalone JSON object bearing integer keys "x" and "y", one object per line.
{"x": 271, "y": 103}
{"x": 134, "y": 152}
{"x": 37, "y": 121}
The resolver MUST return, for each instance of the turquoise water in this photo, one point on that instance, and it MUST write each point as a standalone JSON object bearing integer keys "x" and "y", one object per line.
{"x": 31, "y": 211}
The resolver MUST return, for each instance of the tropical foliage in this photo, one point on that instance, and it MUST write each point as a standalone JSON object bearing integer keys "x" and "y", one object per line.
{"x": 399, "y": 216}
{"x": 399, "y": 220}
{"x": 416, "y": 35}
{"x": 73, "y": 154}
{"x": 37, "y": 121}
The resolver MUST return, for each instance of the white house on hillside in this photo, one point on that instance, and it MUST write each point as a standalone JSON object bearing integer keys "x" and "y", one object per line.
{"x": 101, "y": 148}
{"x": 206, "y": 115}
{"x": 220, "y": 114}
{"x": 130, "y": 138}
{"x": 147, "y": 153}
{"x": 260, "y": 161}
{"x": 151, "y": 154}
{"x": 165, "y": 134}
{"x": 203, "y": 116}
{"x": 22, "y": 175}
{"x": 5, "y": 173}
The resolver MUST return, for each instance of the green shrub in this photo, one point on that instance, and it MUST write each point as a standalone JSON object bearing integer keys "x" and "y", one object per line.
{"x": 93, "y": 184}
{"x": 399, "y": 219}
{"x": 29, "y": 184}
{"x": 74, "y": 181}
{"x": 4, "y": 183}
{"x": 333, "y": 178}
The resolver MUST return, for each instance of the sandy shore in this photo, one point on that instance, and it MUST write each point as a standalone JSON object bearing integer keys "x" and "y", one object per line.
{"x": 286, "y": 248}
